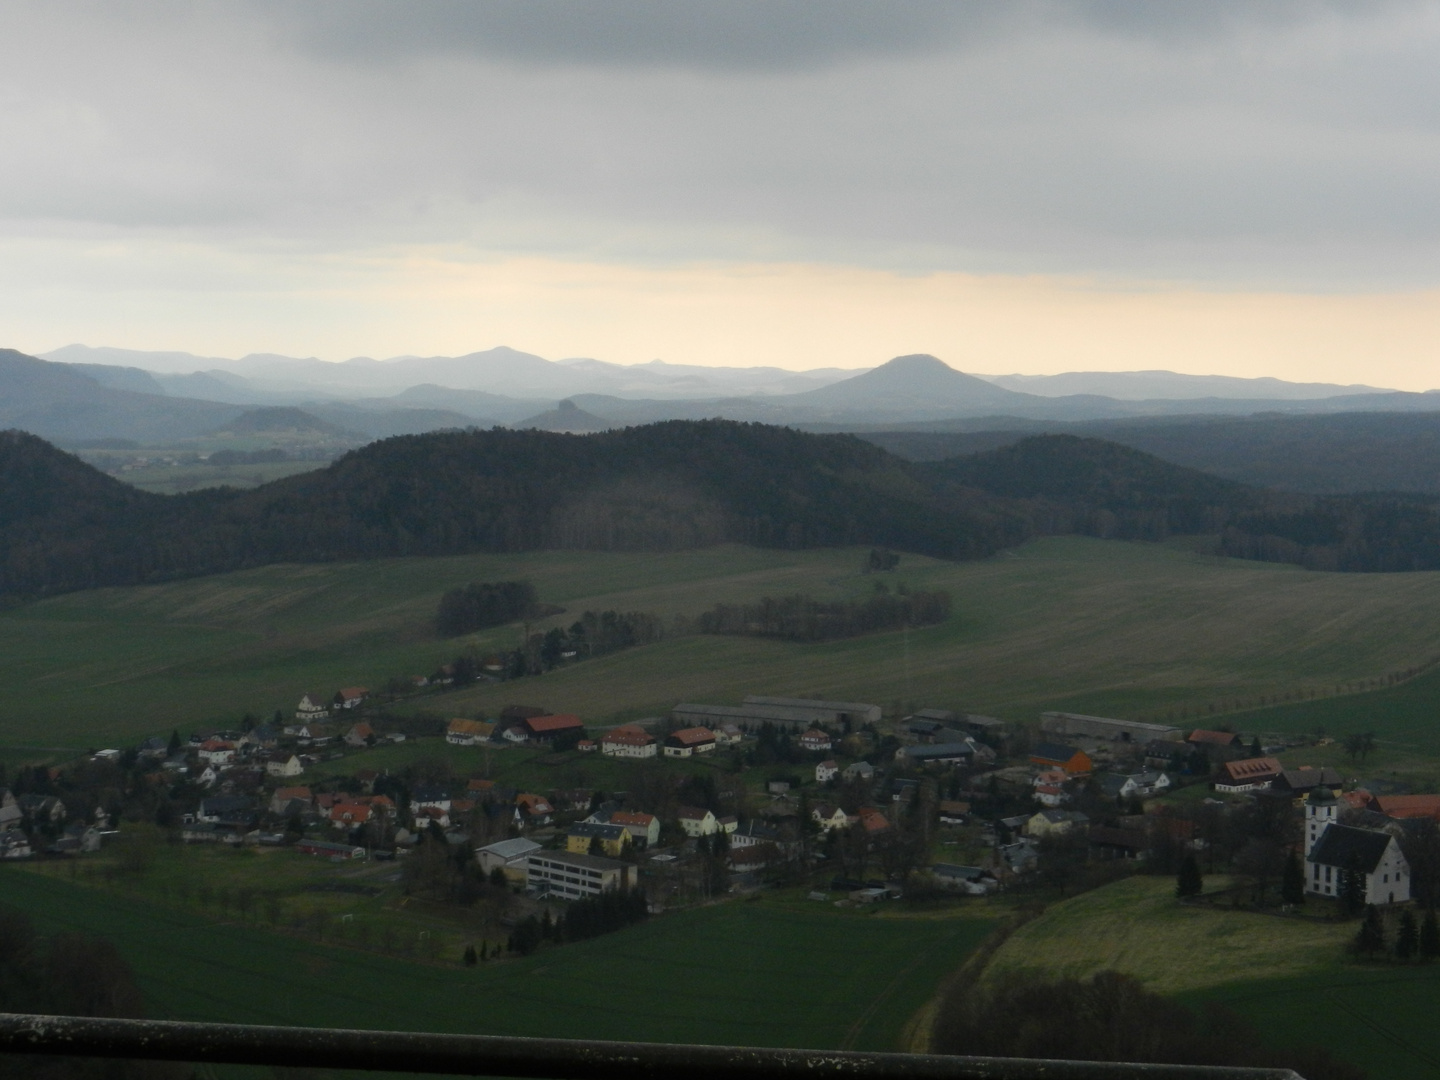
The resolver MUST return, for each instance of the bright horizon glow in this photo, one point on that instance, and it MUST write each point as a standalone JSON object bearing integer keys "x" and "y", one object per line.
{"x": 789, "y": 315}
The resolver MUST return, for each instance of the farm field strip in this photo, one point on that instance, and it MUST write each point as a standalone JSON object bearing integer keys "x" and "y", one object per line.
{"x": 1088, "y": 625}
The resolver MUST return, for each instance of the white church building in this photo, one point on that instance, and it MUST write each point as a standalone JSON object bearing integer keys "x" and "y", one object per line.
{"x": 1331, "y": 849}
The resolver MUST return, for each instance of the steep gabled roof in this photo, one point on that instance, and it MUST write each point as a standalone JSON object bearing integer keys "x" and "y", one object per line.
{"x": 1350, "y": 848}
{"x": 1047, "y": 751}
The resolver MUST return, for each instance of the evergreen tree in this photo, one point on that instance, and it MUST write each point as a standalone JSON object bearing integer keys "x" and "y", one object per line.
{"x": 497, "y": 877}
{"x": 175, "y": 743}
{"x": 1429, "y": 936}
{"x": 1370, "y": 938}
{"x": 1407, "y": 941}
{"x": 1292, "y": 885}
{"x": 471, "y": 959}
{"x": 1352, "y": 893}
{"x": 1255, "y": 747}
{"x": 597, "y": 846}
{"x": 1189, "y": 882}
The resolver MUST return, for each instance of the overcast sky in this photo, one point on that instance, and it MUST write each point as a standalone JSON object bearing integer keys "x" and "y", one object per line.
{"x": 1243, "y": 188}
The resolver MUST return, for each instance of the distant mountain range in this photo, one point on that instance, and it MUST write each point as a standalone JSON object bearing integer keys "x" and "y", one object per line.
{"x": 88, "y": 394}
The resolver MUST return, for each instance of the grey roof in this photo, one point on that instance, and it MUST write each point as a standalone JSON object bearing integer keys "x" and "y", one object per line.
{"x": 1304, "y": 779}
{"x": 1350, "y": 848}
{"x": 963, "y": 873}
{"x": 511, "y": 849}
{"x": 945, "y": 716}
{"x": 588, "y": 862}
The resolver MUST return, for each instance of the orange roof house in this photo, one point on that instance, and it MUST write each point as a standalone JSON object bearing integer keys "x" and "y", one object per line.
{"x": 1059, "y": 756}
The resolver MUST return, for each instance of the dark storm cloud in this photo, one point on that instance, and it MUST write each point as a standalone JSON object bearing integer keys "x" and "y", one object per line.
{"x": 1277, "y": 141}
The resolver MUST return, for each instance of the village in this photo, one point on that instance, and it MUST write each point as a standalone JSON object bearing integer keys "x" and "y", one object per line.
{"x": 831, "y": 798}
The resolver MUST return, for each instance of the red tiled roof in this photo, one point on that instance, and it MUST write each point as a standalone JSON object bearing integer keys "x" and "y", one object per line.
{"x": 1259, "y": 768}
{"x": 628, "y": 736}
{"x": 693, "y": 736}
{"x": 626, "y": 817}
{"x": 1407, "y": 806}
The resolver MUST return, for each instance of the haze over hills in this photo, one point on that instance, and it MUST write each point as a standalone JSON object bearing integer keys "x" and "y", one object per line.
{"x": 1151, "y": 385}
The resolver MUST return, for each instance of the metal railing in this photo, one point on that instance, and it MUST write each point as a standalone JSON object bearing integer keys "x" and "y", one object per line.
{"x": 547, "y": 1059}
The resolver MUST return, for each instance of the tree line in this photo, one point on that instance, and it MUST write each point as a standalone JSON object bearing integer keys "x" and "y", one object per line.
{"x": 803, "y": 618}
{"x": 587, "y": 917}
{"x": 483, "y": 604}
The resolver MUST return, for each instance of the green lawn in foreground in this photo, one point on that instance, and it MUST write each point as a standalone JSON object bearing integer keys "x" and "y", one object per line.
{"x": 1290, "y": 978}
{"x": 1075, "y": 623}
{"x": 763, "y": 973}
{"x": 1382, "y": 1017}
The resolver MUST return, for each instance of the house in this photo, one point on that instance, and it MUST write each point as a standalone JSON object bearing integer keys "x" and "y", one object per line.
{"x": 587, "y": 746}
{"x": 549, "y": 728}
{"x": 217, "y": 752}
{"x": 1054, "y": 823}
{"x": 945, "y": 753}
{"x": 1334, "y": 850}
{"x": 347, "y": 815}
{"x": 10, "y": 813}
{"x": 311, "y": 708}
{"x": 971, "y": 880}
{"x": 1051, "y": 794}
{"x": 614, "y": 839}
{"x": 1302, "y": 781}
{"x": 689, "y": 741}
{"x": 568, "y": 876}
{"x": 697, "y": 822}
{"x": 516, "y": 734}
{"x": 1059, "y": 756}
{"x": 1141, "y": 785}
{"x": 728, "y": 734}
{"x": 861, "y": 770}
{"x": 226, "y": 810}
{"x": 350, "y": 697}
{"x": 40, "y": 808}
{"x": 830, "y": 817}
{"x": 644, "y": 829}
{"x": 263, "y": 737}
{"x": 1224, "y": 740}
{"x": 826, "y": 771}
{"x": 815, "y": 741}
{"x": 461, "y": 732}
{"x": 874, "y": 822}
{"x": 283, "y": 797}
{"x": 754, "y": 833}
{"x": 953, "y": 811}
{"x": 628, "y": 741}
{"x": 329, "y": 849}
{"x": 1112, "y": 843}
{"x": 361, "y": 734}
{"x": 15, "y": 845}
{"x": 509, "y": 856}
{"x": 533, "y": 809}
{"x": 283, "y": 764}
{"x": 424, "y": 797}
{"x": 1403, "y": 807}
{"x": 1248, "y": 774}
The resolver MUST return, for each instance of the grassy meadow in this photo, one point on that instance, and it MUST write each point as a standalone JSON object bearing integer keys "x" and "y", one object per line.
{"x": 1290, "y": 978}
{"x": 1068, "y": 622}
{"x": 767, "y": 973}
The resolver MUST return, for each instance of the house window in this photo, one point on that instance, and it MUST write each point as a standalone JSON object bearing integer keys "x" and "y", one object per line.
{"x": 1317, "y": 871}
{"x": 1327, "y": 875}
{"x": 1387, "y": 879}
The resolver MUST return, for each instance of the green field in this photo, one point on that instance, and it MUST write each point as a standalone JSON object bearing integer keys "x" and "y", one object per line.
{"x": 1288, "y": 977}
{"x": 766, "y": 973}
{"x": 1089, "y": 625}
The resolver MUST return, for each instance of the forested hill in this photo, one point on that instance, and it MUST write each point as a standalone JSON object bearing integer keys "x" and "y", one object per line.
{"x": 667, "y": 486}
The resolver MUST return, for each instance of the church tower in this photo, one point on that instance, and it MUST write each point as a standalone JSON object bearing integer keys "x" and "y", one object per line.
{"x": 1321, "y": 810}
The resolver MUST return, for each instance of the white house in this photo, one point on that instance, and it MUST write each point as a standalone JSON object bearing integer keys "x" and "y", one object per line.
{"x": 826, "y": 770}
{"x": 628, "y": 741}
{"x": 830, "y": 817}
{"x": 1332, "y": 850}
{"x": 311, "y": 708}
{"x": 698, "y": 822}
{"x": 283, "y": 764}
